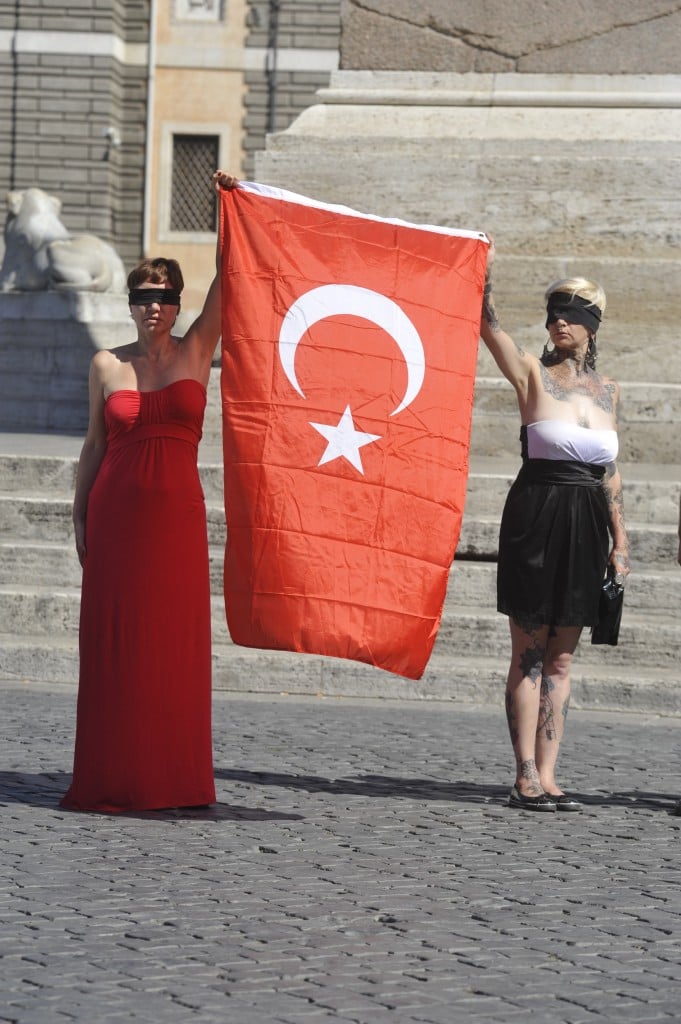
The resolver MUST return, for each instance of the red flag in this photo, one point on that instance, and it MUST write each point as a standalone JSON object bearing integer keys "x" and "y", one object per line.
{"x": 348, "y": 367}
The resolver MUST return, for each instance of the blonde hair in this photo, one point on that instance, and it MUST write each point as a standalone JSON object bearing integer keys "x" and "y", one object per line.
{"x": 589, "y": 290}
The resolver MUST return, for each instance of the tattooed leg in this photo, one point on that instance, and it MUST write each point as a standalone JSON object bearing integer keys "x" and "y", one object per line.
{"x": 554, "y": 703}
{"x": 523, "y": 688}
{"x": 546, "y": 724}
{"x": 528, "y": 771}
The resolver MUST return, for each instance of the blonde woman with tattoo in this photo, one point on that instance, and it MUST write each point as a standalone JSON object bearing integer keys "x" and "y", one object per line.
{"x": 559, "y": 516}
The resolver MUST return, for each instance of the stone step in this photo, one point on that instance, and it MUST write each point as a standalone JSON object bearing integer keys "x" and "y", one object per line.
{"x": 50, "y": 564}
{"x": 50, "y": 520}
{"x": 648, "y": 545}
{"x": 40, "y": 580}
{"x": 650, "y": 639}
{"x": 48, "y": 611}
{"x": 649, "y": 416}
{"x": 38, "y": 474}
{"x": 649, "y": 591}
{"x": 55, "y": 565}
{"x": 455, "y": 677}
{"x": 636, "y": 352}
{"x": 651, "y": 492}
{"x": 26, "y": 565}
{"x": 651, "y": 489}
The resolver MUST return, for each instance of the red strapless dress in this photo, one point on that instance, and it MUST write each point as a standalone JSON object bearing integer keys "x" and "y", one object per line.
{"x": 143, "y": 732}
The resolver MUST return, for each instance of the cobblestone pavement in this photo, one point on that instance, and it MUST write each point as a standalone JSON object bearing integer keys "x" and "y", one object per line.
{"x": 361, "y": 866}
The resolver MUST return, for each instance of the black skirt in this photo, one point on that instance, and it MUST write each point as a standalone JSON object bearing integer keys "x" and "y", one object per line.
{"x": 553, "y": 544}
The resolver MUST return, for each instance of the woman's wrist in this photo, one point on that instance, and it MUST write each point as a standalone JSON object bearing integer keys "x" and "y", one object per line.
{"x": 620, "y": 554}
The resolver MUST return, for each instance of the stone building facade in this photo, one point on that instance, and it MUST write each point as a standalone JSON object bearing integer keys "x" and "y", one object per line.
{"x": 72, "y": 108}
{"x": 299, "y": 40}
{"x": 121, "y": 108}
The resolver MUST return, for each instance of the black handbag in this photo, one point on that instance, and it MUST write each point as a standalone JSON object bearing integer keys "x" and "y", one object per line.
{"x": 607, "y": 629}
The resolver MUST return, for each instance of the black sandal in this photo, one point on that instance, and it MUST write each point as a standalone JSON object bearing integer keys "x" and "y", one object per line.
{"x": 531, "y": 803}
{"x": 564, "y": 802}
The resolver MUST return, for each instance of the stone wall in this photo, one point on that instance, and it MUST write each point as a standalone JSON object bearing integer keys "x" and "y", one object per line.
{"x": 554, "y": 127}
{"x": 305, "y": 36}
{"x": 74, "y": 90}
{"x": 57, "y": 107}
{"x": 47, "y": 340}
{"x": 590, "y": 37}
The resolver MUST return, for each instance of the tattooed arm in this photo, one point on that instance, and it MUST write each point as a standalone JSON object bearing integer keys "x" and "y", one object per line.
{"x": 512, "y": 360}
{"x": 612, "y": 485}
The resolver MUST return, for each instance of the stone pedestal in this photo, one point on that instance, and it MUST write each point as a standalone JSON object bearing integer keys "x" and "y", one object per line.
{"x": 566, "y": 171}
{"x": 46, "y": 342}
{"x": 571, "y": 174}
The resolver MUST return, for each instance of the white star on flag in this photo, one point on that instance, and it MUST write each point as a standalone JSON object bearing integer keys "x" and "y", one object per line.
{"x": 344, "y": 441}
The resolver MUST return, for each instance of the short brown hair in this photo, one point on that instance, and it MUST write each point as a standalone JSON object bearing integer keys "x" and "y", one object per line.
{"x": 156, "y": 271}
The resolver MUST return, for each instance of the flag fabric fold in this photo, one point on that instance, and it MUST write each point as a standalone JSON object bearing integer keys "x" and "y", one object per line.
{"x": 348, "y": 366}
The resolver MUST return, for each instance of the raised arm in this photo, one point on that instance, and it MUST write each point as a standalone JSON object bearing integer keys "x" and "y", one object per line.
{"x": 207, "y": 327}
{"x": 512, "y": 360}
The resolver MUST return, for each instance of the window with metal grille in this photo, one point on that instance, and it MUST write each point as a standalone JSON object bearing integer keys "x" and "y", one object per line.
{"x": 192, "y": 206}
{"x": 198, "y": 10}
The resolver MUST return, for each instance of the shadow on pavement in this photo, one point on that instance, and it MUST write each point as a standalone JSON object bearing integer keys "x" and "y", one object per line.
{"x": 429, "y": 789}
{"x": 214, "y": 812}
{"x": 45, "y": 789}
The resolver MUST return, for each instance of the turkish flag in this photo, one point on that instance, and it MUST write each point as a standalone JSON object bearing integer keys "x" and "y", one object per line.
{"x": 348, "y": 368}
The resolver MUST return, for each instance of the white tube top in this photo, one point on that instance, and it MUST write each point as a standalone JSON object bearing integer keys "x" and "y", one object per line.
{"x": 559, "y": 439}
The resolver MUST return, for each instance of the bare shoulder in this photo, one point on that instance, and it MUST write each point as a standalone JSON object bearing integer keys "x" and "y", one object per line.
{"x": 107, "y": 362}
{"x": 102, "y": 361}
{"x": 115, "y": 356}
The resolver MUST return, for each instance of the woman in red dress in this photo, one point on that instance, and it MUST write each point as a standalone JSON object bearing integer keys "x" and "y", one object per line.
{"x": 143, "y": 731}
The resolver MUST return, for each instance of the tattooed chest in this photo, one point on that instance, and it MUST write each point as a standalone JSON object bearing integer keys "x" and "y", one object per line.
{"x": 588, "y": 390}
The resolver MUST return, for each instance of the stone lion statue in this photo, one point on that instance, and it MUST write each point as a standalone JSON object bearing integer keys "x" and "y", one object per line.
{"x": 41, "y": 255}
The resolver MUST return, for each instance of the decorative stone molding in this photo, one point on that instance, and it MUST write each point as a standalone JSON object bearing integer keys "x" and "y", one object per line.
{"x": 409, "y": 88}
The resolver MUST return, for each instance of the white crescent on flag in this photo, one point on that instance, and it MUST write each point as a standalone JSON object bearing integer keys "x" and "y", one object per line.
{"x": 338, "y": 299}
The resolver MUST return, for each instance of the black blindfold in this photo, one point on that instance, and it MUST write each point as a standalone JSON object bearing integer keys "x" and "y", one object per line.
{"x": 145, "y": 296}
{"x": 574, "y": 309}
